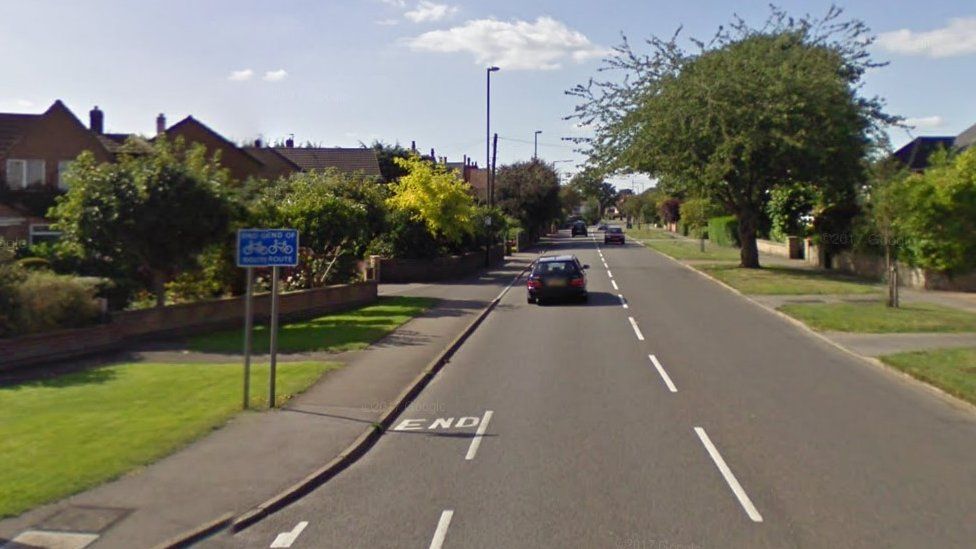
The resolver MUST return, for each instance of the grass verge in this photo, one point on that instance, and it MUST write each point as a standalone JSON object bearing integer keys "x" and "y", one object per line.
{"x": 691, "y": 249}
{"x": 876, "y": 318}
{"x": 61, "y": 436}
{"x": 650, "y": 233}
{"x": 347, "y": 331}
{"x": 952, "y": 370}
{"x": 788, "y": 281}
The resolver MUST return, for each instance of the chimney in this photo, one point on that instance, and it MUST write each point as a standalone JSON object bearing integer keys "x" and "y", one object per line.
{"x": 96, "y": 119}
{"x": 433, "y": 157}
{"x": 161, "y": 124}
{"x": 290, "y": 142}
{"x": 465, "y": 161}
{"x": 413, "y": 146}
{"x": 257, "y": 143}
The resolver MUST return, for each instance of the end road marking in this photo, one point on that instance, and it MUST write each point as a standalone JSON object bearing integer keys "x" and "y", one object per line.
{"x": 664, "y": 375}
{"x": 614, "y": 282}
{"x": 441, "y": 532}
{"x": 623, "y": 302}
{"x": 633, "y": 324}
{"x": 729, "y": 477}
{"x": 479, "y": 434}
{"x": 285, "y": 539}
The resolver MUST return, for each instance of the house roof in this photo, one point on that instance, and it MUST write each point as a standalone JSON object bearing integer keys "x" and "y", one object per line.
{"x": 966, "y": 139}
{"x": 343, "y": 159}
{"x": 915, "y": 155}
{"x": 12, "y": 127}
{"x": 274, "y": 162}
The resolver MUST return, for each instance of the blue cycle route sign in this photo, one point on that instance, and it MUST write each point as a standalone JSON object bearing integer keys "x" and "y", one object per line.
{"x": 267, "y": 247}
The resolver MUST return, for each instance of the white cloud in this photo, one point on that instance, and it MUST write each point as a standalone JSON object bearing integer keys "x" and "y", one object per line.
{"x": 387, "y": 22}
{"x": 926, "y": 122}
{"x": 241, "y": 75}
{"x": 429, "y": 11}
{"x": 275, "y": 76}
{"x": 395, "y": 3}
{"x": 24, "y": 103}
{"x": 956, "y": 38}
{"x": 514, "y": 45}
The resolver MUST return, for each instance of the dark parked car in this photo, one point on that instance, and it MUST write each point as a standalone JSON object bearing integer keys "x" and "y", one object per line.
{"x": 614, "y": 235}
{"x": 557, "y": 277}
{"x": 579, "y": 228}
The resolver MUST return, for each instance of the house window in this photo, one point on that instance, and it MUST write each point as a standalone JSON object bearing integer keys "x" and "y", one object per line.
{"x": 63, "y": 166}
{"x": 43, "y": 233}
{"x": 24, "y": 173}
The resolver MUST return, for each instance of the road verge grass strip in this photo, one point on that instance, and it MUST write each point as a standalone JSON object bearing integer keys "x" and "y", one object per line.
{"x": 951, "y": 370}
{"x": 877, "y": 318}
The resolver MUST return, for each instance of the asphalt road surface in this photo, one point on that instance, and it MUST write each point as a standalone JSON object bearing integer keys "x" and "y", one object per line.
{"x": 666, "y": 412}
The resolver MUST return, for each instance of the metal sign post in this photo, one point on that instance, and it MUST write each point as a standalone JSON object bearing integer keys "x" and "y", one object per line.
{"x": 248, "y": 330}
{"x": 264, "y": 248}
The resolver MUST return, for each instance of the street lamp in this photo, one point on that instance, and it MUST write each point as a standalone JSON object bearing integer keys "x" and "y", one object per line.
{"x": 489, "y": 184}
{"x": 535, "y": 138}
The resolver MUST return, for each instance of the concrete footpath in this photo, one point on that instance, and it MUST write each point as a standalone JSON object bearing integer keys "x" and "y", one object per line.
{"x": 257, "y": 455}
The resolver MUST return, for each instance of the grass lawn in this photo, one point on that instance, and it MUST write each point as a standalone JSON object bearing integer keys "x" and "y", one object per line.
{"x": 952, "y": 370}
{"x": 691, "y": 249}
{"x": 648, "y": 232}
{"x": 61, "y": 436}
{"x": 348, "y": 331}
{"x": 787, "y": 280}
{"x": 876, "y": 318}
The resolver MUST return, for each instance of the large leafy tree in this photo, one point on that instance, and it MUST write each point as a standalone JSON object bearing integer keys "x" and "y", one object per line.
{"x": 590, "y": 183}
{"x": 750, "y": 110}
{"x": 436, "y": 196}
{"x": 529, "y": 192}
{"x": 148, "y": 215}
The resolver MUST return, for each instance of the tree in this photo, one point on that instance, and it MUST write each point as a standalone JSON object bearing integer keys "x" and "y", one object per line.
{"x": 386, "y": 155}
{"x": 529, "y": 192}
{"x": 752, "y": 109}
{"x": 436, "y": 196}
{"x": 669, "y": 209}
{"x": 936, "y": 210}
{"x": 695, "y": 213}
{"x": 790, "y": 209}
{"x": 569, "y": 199}
{"x": 590, "y": 184}
{"x": 147, "y": 215}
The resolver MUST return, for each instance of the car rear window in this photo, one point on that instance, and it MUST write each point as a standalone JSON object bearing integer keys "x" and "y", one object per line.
{"x": 616, "y": 230}
{"x": 555, "y": 268}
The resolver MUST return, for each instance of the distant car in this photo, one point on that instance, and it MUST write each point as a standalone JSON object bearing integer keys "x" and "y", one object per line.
{"x": 579, "y": 228}
{"x": 601, "y": 227}
{"x": 557, "y": 277}
{"x": 614, "y": 235}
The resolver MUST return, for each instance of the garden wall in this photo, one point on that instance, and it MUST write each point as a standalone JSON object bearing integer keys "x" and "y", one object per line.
{"x": 441, "y": 268}
{"x": 792, "y": 248}
{"x": 128, "y": 326}
{"x": 872, "y": 266}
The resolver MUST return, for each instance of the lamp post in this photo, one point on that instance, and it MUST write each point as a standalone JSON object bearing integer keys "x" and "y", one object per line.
{"x": 535, "y": 139}
{"x": 489, "y": 184}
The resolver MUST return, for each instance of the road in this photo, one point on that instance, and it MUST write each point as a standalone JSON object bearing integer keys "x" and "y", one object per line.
{"x": 677, "y": 415}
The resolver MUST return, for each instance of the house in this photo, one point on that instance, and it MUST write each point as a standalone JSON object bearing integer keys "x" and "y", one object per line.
{"x": 236, "y": 160}
{"x": 915, "y": 155}
{"x": 348, "y": 160}
{"x": 35, "y": 150}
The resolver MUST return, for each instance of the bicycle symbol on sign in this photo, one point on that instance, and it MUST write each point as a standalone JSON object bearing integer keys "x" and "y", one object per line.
{"x": 255, "y": 247}
{"x": 280, "y": 246}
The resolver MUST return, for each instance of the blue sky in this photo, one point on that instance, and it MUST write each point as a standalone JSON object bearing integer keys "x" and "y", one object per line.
{"x": 343, "y": 71}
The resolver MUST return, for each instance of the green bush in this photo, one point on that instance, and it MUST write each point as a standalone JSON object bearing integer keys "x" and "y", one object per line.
{"x": 724, "y": 230}
{"x": 48, "y": 301}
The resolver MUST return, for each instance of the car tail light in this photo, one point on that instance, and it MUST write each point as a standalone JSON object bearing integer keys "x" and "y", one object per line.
{"x": 577, "y": 282}
{"x": 534, "y": 283}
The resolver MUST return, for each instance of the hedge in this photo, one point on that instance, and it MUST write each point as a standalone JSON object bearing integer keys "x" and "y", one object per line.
{"x": 724, "y": 230}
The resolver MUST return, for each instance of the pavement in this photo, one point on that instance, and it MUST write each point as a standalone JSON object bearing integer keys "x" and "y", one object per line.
{"x": 666, "y": 412}
{"x": 257, "y": 455}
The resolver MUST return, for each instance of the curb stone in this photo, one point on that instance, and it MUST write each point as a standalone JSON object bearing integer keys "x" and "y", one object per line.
{"x": 874, "y": 362}
{"x": 348, "y": 456}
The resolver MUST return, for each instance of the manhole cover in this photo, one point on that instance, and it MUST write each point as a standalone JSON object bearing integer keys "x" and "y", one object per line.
{"x": 79, "y": 518}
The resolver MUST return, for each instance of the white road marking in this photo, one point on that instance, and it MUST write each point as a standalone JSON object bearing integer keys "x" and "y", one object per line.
{"x": 614, "y": 282}
{"x": 476, "y": 441}
{"x": 729, "y": 477}
{"x": 609, "y": 273}
{"x": 441, "y": 532}
{"x": 623, "y": 302}
{"x": 285, "y": 539}
{"x": 664, "y": 375}
{"x": 637, "y": 331}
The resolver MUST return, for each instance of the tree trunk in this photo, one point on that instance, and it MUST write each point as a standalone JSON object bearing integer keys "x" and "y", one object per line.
{"x": 749, "y": 252}
{"x": 159, "y": 288}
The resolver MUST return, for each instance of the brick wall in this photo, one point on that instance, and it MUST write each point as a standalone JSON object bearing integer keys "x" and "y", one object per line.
{"x": 128, "y": 326}
{"x": 441, "y": 268}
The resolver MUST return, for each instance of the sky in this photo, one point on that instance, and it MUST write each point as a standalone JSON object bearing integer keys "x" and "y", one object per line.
{"x": 341, "y": 72}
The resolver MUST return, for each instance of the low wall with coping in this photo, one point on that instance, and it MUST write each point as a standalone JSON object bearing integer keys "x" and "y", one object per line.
{"x": 430, "y": 270}
{"x": 872, "y": 266}
{"x": 793, "y": 247}
{"x": 127, "y": 326}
